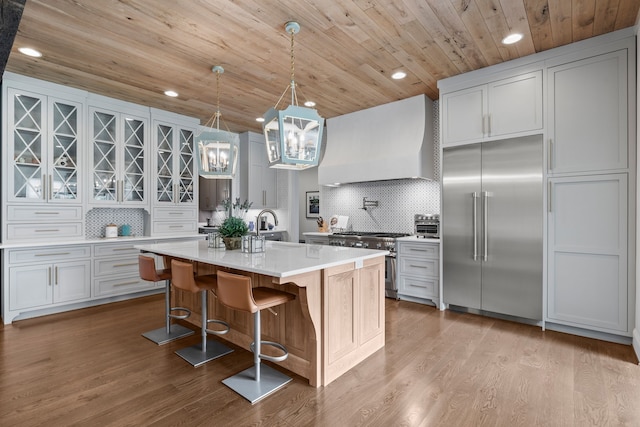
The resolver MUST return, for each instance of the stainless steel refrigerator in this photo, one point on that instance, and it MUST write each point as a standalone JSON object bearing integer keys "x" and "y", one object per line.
{"x": 492, "y": 226}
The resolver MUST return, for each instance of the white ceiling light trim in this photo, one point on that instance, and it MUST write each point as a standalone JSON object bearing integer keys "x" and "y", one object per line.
{"x": 512, "y": 38}
{"x": 29, "y": 51}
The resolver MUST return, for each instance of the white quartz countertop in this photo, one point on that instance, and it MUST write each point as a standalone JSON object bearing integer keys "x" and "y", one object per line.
{"x": 119, "y": 239}
{"x": 316, "y": 233}
{"x": 280, "y": 259}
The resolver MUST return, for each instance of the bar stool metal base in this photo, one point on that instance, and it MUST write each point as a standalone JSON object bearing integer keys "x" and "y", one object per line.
{"x": 245, "y": 384}
{"x": 160, "y": 335}
{"x": 197, "y": 357}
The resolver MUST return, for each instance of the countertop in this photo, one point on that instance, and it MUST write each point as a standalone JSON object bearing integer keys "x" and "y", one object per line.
{"x": 280, "y": 259}
{"x": 317, "y": 233}
{"x": 119, "y": 239}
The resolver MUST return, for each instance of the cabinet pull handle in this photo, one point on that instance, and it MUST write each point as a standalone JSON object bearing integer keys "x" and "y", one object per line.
{"x": 46, "y": 231}
{"x": 47, "y": 213}
{"x": 50, "y": 187}
{"x": 55, "y": 274}
{"x": 49, "y": 268}
{"x": 121, "y": 190}
{"x": 485, "y": 195}
{"x": 417, "y": 266}
{"x": 54, "y": 254}
{"x": 549, "y": 197}
{"x": 126, "y": 283}
{"x": 125, "y": 265}
{"x": 44, "y": 187}
{"x": 176, "y": 213}
{"x": 264, "y": 197}
{"x": 123, "y": 249}
{"x": 483, "y": 119}
{"x": 550, "y": 154}
{"x": 488, "y": 124}
{"x": 416, "y": 286}
{"x": 175, "y": 226}
{"x": 417, "y": 250}
{"x": 475, "y": 225}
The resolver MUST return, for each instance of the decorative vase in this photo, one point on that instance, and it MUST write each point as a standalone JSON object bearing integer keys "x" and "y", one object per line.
{"x": 231, "y": 243}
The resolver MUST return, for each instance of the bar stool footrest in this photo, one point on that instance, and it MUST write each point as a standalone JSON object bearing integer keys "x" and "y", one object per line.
{"x": 219, "y": 322}
{"x": 196, "y": 357}
{"x": 266, "y": 356}
{"x": 179, "y": 316}
{"x": 245, "y": 384}
{"x": 160, "y": 336}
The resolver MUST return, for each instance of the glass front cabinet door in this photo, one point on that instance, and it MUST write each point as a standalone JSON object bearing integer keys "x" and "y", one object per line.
{"x": 118, "y": 158}
{"x": 175, "y": 166}
{"x": 45, "y": 159}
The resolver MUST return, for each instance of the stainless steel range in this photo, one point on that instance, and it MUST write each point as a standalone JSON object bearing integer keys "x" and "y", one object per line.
{"x": 374, "y": 240}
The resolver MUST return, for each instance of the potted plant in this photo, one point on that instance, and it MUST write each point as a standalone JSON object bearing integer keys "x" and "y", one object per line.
{"x": 232, "y": 229}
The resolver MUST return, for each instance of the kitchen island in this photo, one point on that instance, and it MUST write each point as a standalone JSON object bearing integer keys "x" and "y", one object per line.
{"x": 337, "y": 319}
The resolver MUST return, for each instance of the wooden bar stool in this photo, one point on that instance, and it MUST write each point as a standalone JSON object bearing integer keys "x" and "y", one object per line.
{"x": 258, "y": 381}
{"x": 148, "y": 271}
{"x": 184, "y": 279}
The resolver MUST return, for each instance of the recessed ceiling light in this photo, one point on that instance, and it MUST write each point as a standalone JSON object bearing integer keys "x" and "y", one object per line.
{"x": 512, "y": 38}
{"x": 398, "y": 75}
{"x": 30, "y": 52}
{"x": 171, "y": 93}
{"x": 260, "y": 119}
{"x": 309, "y": 104}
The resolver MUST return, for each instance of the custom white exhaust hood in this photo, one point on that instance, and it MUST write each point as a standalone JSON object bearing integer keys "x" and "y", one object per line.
{"x": 390, "y": 141}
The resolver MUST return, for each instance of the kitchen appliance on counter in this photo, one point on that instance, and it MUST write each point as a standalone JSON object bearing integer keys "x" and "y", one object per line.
{"x": 374, "y": 240}
{"x": 492, "y": 226}
{"x": 427, "y": 225}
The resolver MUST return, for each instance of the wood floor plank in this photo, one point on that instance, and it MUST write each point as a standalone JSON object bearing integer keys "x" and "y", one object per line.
{"x": 92, "y": 367}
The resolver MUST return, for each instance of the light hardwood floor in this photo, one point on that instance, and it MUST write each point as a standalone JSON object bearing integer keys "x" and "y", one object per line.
{"x": 91, "y": 367}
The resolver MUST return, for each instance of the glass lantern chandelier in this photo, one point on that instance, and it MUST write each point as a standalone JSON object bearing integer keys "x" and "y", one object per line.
{"x": 293, "y": 135}
{"x": 217, "y": 149}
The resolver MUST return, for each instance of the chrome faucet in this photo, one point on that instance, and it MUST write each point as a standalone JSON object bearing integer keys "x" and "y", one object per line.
{"x": 275, "y": 219}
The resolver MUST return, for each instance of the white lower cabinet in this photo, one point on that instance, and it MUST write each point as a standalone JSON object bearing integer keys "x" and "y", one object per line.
{"x": 418, "y": 270}
{"x": 588, "y": 265}
{"x": 115, "y": 270}
{"x": 44, "y": 277}
{"x": 40, "y": 280}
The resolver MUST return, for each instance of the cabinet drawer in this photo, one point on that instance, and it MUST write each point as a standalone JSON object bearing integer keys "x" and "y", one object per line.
{"x": 173, "y": 214}
{"x": 59, "y": 253}
{"x": 418, "y": 267}
{"x": 40, "y": 232}
{"x": 118, "y": 249}
{"x": 115, "y": 266}
{"x": 419, "y": 250}
{"x": 170, "y": 227}
{"x": 123, "y": 285}
{"x": 418, "y": 287}
{"x": 34, "y": 213}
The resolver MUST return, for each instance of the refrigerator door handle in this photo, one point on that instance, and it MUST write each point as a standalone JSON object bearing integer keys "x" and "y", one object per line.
{"x": 475, "y": 225}
{"x": 485, "y": 230}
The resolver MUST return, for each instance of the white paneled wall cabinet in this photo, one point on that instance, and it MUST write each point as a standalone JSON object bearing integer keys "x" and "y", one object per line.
{"x": 258, "y": 183}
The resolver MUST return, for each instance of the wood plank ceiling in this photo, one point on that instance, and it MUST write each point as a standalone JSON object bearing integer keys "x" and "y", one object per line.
{"x": 344, "y": 53}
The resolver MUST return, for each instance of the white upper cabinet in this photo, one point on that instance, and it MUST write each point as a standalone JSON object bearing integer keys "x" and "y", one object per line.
{"x": 43, "y": 145}
{"x": 174, "y": 165}
{"x": 259, "y": 182}
{"x": 588, "y": 114}
{"x": 500, "y": 108}
{"x": 118, "y": 158}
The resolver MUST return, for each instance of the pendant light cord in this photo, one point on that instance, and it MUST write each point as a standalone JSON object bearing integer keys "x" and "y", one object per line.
{"x": 218, "y": 100}
{"x": 293, "y": 84}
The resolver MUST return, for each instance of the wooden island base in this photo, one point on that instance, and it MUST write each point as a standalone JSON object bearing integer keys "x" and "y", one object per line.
{"x": 336, "y": 321}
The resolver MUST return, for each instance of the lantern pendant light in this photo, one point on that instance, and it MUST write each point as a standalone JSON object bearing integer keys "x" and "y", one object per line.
{"x": 217, "y": 149}
{"x": 293, "y": 135}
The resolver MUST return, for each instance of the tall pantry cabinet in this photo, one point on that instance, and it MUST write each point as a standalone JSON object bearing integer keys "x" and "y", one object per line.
{"x": 591, "y": 187}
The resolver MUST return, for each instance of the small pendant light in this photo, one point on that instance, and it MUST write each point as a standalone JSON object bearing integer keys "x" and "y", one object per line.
{"x": 293, "y": 135}
{"x": 217, "y": 149}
